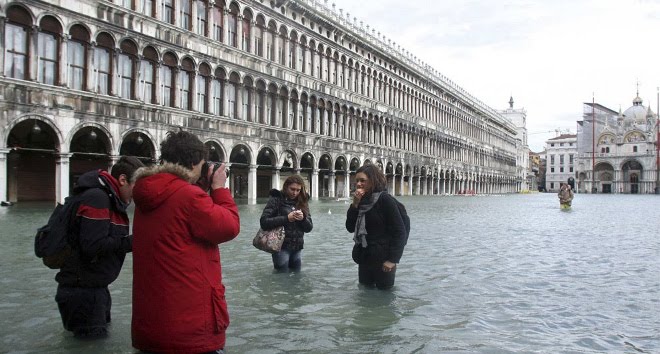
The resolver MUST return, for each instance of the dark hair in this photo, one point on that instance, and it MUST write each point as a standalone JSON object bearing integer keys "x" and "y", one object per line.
{"x": 182, "y": 148}
{"x": 303, "y": 197}
{"x": 376, "y": 177}
{"x": 127, "y": 165}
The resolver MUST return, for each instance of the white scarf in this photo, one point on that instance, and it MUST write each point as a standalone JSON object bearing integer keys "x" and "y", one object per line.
{"x": 360, "y": 235}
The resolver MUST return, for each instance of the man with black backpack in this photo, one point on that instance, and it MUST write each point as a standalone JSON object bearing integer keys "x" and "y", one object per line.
{"x": 99, "y": 239}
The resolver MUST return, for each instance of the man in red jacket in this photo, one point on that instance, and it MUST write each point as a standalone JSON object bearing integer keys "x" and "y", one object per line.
{"x": 178, "y": 296}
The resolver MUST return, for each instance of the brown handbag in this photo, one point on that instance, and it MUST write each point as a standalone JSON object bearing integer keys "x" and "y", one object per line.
{"x": 269, "y": 240}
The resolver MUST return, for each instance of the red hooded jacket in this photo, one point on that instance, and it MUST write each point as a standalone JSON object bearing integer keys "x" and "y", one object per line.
{"x": 178, "y": 296}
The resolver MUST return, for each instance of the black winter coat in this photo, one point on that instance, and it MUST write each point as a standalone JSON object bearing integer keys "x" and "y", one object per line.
{"x": 386, "y": 232}
{"x": 275, "y": 214}
{"x": 100, "y": 234}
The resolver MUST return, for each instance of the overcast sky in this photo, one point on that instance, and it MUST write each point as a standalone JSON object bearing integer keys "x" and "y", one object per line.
{"x": 550, "y": 55}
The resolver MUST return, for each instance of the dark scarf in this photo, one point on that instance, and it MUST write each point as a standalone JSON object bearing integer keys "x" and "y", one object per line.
{"x": 360, "y": 236}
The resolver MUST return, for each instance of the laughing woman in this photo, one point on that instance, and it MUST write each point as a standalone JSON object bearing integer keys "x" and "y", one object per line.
{"x": 288, "y": 208}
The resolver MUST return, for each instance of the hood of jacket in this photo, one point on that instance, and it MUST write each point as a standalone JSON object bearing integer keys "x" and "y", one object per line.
{"x": 155, "y": 184}
{"x": 100, "y": 179}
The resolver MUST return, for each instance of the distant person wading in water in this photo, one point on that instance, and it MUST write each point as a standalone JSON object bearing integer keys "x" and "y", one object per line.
{"x": 565, "y": 195}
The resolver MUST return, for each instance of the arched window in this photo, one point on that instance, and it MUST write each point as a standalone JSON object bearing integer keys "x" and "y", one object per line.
{"x": 103, "y": 63}
{"x": 203, "y": 82}
{"x": 147, "y": 75}
{"x": 300, "y": 56}
{"x": 127, "y": 63}
{"x": 280, "y": 46}
{"x": 186, "y": 81}
{"x": 185, "y": 12}
{"x": 270, "y": 42}
{"x": 260, "y": 102}
{"x": 167, "y": 79}
{"x": 216, "y": 14}
{"x": 247, "y": 97}
{"x": 293, "y": 51}
{"x": 50, "y": 34}
{"x": 202, "y": 20}
{"x": 16, "y": 42}
{"x": 77, "y": 57}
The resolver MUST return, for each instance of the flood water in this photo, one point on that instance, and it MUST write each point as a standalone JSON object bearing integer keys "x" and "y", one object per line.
{"x": 495, "y": 274}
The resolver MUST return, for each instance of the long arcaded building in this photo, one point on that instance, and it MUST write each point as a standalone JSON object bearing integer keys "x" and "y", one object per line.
{"x": 272, "y": 87}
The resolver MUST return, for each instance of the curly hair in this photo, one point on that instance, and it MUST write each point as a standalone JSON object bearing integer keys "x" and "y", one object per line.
{"x": 302, "y": 198}
{"x": 375, "y": 175}
{"x": 182, "y": 148}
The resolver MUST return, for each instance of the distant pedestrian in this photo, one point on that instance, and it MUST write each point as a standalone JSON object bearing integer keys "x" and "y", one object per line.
{"x": 565, "y": 195}
{"x": 101, "y": 240}
{"x": 379, "y": 229}
{"x": 289, "y": 208}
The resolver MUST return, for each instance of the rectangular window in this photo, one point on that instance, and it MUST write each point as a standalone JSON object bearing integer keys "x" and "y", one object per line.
{"x": 125, "y": 76}
{"x": 216, "y": 12}
{"x": 76, "y": 57}
{"x": 552, "y": 159}
{"x": 561, "y": 144}
{"x": 16, "y": 51}
{"x": 552, "y": 169}
{"x": 552, "y": 185}
{"x": 246, "y": 104}
{"x": 269, "y": 46}
{"x": 166, "y": 86}
{"x": 47, "y": 69}
{"x": 102, "y": 70}
{"x": 127, "y": 4}
{"x": 201, "y": 18}
{"x": 570, "y": 159}
{"x": 168, "y": 11}
{"x": 231, "y": 27}
{"x": 561, "y": 169}
{"x": 231, "y": 100}
{"x": 258, "y": 41}
{"x": 147, "y": 81}
{"x": 201, "y": 94}
{"x": 571, "y": 168}
{"x": 246, "y": 35}
{"x": 258, "y": 106}
{"x": 561, "y": 159}
{"x": 216, "y": 98}
{"x": 186, "y": 14}
{"x": 148, "y": 7}
{"x": 184, "y": 89}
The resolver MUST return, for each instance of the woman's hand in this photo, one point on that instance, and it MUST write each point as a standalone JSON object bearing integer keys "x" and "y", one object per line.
{"x": 388, "y": 266}
{"x": 357, "y": 197}
{"x": 296, "y": 215}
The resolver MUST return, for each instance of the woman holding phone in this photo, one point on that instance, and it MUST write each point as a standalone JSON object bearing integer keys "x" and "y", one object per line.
{"x": 289, "y": 208}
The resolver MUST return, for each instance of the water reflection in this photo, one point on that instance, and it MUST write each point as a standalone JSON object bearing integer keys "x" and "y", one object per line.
{"x": 480, "y": 274}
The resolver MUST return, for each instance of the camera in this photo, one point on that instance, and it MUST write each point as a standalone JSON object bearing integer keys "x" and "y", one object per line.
{"x": 204, "y": 181}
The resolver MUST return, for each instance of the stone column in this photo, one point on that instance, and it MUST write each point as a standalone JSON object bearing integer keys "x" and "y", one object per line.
{"x": 210, "y": 21}
{"x": 194, "y": 104}
{"x": 315, "y": 184}
{"x": 4, "y": 176}
{"x": 225, "y": 26}
{"x": 239, "y": 103}
{"x": 332, "y": 180}
{"x": 239, "y": 33}
{"x": 252, "y": 185}
{"x": 347, "y": 184}
{"x": 62, "y": 177}
{"x": 177, "y": 87}
{"x": 253, "y": 45}
{"x": 287, "y": 48}
{"x": 158, "y": 99}
{"x": 225, "y": 98}
{"x": 2, "y": 57}
{"x": 63, "y": 75}
{"x": 33, "y": 46}
{"x": 402, "y": 184}
{"x": 275, "y": 179}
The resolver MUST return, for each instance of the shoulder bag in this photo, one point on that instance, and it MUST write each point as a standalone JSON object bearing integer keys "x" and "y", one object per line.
{"x": 269, "y": 240}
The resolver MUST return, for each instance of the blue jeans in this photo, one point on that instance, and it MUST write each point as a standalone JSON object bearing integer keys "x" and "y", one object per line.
{"x": 287, "y": 259}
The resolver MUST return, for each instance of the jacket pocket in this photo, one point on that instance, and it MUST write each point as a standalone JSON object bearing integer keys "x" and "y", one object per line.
{"x": 220, "y": 313}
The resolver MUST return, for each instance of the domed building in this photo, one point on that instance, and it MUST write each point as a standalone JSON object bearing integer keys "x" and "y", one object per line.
{"x": 618, "y": 154}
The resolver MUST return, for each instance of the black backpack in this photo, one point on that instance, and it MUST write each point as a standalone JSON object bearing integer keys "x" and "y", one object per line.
{"x": 404, "y": 216}
{"x": 52, "y": 242}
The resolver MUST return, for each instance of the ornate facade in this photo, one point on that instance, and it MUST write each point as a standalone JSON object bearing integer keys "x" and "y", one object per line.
{"x": 621, "y": 157}
{"x": 273, "y": 88}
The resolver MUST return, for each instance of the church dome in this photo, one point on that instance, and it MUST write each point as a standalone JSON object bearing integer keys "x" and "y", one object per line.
{"x": 637, "y": 112}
